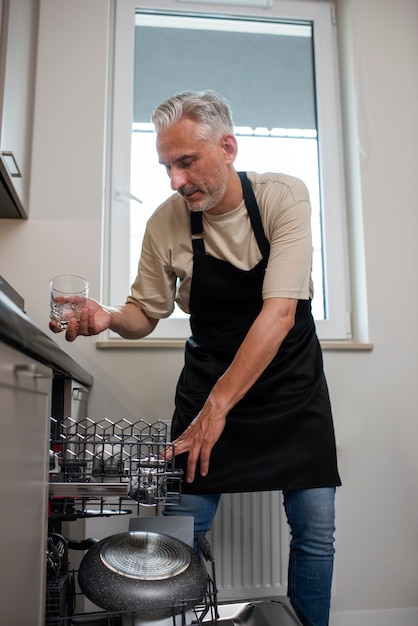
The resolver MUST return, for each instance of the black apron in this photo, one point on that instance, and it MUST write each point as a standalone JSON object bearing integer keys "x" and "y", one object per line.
{"x": 280, "y": 435}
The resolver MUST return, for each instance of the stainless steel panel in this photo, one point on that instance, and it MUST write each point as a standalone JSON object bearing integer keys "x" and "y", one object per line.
{"x": 88, "y": 490}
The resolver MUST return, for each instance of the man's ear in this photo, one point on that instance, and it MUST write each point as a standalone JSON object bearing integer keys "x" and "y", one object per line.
{"x": 230, "y": 147}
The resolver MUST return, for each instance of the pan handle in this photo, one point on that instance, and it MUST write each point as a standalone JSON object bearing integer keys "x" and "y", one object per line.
{"x": 83, "y": 544}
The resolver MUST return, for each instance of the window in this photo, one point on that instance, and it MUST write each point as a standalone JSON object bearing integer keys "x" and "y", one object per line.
{"x": 278, "y": 70}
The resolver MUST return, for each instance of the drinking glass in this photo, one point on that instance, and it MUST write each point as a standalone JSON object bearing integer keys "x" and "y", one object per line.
{"x": 68, "y": 297}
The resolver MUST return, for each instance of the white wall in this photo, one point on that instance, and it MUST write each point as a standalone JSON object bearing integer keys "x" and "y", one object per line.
{"x": 373, "y": 393}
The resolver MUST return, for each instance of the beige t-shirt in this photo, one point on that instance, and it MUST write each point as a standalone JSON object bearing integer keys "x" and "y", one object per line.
{"x": 166, "y": 263}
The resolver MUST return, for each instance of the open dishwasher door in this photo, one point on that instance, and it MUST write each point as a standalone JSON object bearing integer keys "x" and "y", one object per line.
{"x": 266, "y": 612}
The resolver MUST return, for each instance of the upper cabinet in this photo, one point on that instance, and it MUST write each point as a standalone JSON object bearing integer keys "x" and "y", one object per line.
{"x": 18, "y": 44}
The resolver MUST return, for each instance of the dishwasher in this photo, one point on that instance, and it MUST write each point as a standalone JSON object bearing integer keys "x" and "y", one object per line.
{"x": 139, "y": 577}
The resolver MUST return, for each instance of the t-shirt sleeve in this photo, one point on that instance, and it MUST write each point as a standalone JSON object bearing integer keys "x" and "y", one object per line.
{"x": 288, "y": 223}
{"x": 154, "y": 288}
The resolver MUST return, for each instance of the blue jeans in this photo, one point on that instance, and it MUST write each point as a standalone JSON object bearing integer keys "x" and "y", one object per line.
{"x": 310, "y": 514}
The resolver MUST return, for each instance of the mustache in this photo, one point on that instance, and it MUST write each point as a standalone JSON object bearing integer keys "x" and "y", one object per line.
{"x": 185, "y": 191}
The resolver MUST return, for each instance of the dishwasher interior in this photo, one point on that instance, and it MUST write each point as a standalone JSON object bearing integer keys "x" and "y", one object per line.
{"x": 102, "y": 469}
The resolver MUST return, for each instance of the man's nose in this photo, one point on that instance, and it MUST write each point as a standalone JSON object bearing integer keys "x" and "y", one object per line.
{"x": 177, "y": 178}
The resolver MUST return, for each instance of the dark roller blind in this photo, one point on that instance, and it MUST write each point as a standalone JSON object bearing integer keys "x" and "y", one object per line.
{"x": 268, "y": 79}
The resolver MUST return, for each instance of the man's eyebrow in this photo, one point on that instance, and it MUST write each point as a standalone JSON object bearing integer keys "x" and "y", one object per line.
{"x": 182, "y": 157}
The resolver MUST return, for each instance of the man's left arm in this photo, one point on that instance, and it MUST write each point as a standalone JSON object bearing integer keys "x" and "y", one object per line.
{"x": 260, "y": 345}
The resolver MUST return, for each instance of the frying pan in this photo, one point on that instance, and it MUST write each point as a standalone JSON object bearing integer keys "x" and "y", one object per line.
{"x": 151, "y": 574}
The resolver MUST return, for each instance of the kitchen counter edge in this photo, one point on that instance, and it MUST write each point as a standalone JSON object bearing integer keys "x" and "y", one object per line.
{"x": 20, "y": 332}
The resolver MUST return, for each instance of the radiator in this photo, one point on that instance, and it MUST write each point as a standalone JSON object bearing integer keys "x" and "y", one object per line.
{"x": 250, "y": 544}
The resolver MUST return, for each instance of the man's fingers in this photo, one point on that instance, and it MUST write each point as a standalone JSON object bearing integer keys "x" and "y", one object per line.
{"x": 83, "y": 326}
{"x": 204, "y": 460}
{"x": 201, "y": 454}
{"x": 72, "y": 330}
{"x": 54, "y": 327}
{"x": 191, "y": 466}
{"x": 190, "y": 441}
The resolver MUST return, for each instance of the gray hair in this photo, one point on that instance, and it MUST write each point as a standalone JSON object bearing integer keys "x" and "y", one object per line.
{"x": 207, "y": 107}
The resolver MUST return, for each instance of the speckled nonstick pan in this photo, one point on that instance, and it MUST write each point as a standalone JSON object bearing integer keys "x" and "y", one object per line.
{"x": 154, "y": 575}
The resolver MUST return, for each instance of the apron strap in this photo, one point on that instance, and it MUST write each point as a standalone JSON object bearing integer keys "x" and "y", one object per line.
{"x": 254, "y": 213}
{"x": 196, "y": 220}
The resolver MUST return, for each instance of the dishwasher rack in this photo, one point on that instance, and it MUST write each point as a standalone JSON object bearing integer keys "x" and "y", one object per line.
{"x": 61, "y": 600}
{"x": 99, "y": 468}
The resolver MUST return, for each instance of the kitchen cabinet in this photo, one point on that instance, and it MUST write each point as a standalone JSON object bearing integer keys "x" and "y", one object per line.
{"x": 18, "y": 43}
{"x": 36, "y": 378}
{"x": 25, "y": 401}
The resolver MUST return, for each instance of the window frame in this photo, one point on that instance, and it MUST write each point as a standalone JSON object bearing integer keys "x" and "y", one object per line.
{"x": 337, "y": 326}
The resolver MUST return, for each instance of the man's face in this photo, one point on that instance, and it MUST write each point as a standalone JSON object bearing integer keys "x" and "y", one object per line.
{"x": 198, "y": 168}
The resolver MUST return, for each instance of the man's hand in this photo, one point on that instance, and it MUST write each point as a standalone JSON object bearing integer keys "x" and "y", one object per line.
{"x": 127, "y": 320}
{"x": 199, "y": 439}
{"x": 94, "y": 319}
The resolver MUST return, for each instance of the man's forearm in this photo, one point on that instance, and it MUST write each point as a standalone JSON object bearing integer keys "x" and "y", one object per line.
{"x": 130, "y": 322}
{"x": 256, "y": 352}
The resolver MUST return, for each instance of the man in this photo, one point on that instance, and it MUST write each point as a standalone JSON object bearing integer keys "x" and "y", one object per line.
{"x": 252, "y": 407}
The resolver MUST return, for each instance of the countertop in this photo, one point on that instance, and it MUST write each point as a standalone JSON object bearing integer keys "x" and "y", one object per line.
{"x": 19, "y": 331}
